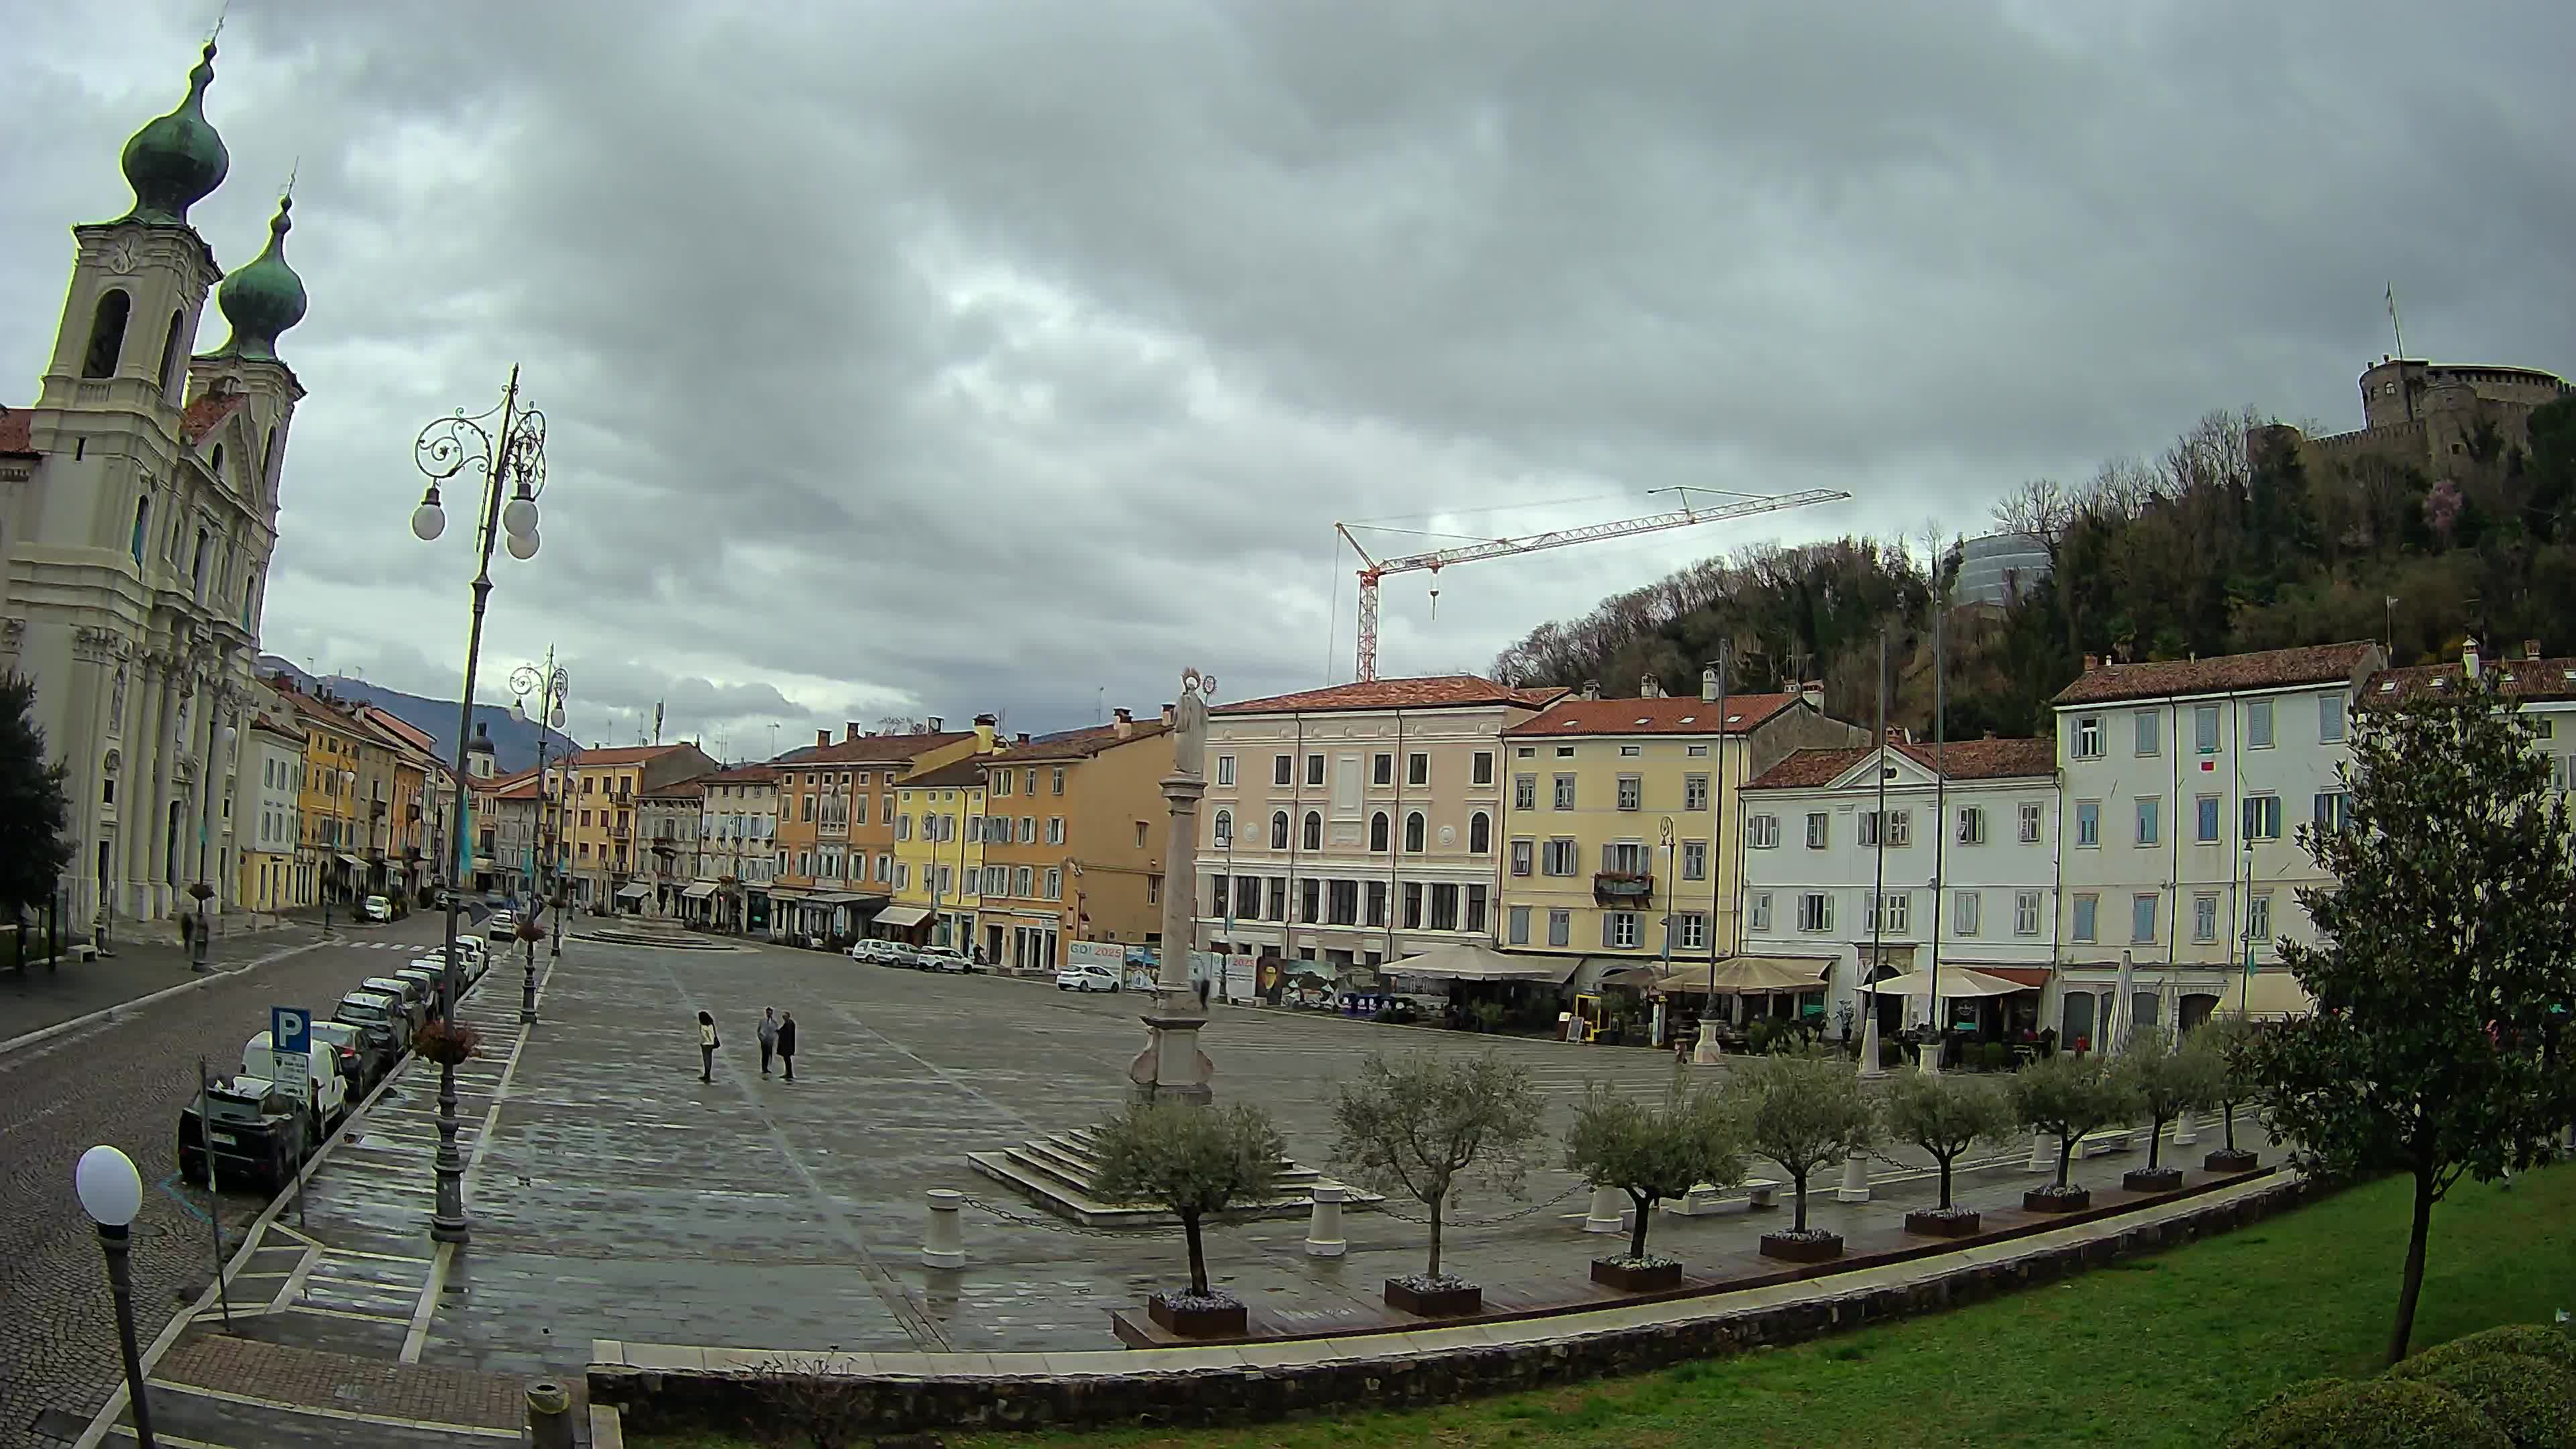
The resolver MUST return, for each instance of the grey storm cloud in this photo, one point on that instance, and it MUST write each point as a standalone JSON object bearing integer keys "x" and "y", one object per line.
{"x": 911, "y": 360}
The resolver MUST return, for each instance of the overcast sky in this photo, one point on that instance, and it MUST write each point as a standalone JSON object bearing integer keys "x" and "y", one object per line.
{"x": 920, "y": 358}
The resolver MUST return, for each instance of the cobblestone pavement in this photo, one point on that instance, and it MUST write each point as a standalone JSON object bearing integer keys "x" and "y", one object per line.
{"x": 616, "y": 1196}
{"x": 123, "y": 1083}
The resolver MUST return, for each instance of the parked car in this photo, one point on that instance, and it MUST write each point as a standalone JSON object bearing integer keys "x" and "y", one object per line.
{"x": 330, "y": 1098}
{"x": 429, "y": 978}
{"x": 253, "y": 1131}
{"x": 471, "y": 956}
{"x": 1086, "y": 978}
{"x": 376, "y": 908}
{"x": 382, "y": 1016}
{"x": 502, "y": 926}
{"x": 365, "y": 1057}
{"x": 415, "y": 1001}
{"x": 942, "y": 958}
{"x": 884, "y": 953}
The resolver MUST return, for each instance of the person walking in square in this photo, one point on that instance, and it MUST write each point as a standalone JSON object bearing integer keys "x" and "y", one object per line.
{"x": 768, "y": 1037}
{"x": 707, "y": 1045}
{"x": 787, "y": 1045}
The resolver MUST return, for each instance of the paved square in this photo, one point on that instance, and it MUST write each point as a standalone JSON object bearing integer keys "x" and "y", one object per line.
{"x": 616, "y": 1196}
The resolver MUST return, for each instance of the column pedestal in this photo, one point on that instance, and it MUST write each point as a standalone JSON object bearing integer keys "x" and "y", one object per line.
{"x": 1171, "y": 1065}
{"x": 1608, "y": 1213}
{"x": 1869, "y": 1066}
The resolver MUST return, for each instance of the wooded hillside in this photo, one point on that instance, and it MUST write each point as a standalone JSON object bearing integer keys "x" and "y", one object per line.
{"x": 2205, "y": 549}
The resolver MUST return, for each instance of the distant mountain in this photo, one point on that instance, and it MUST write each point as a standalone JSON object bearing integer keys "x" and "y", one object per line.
{"x": 514, "y": 741}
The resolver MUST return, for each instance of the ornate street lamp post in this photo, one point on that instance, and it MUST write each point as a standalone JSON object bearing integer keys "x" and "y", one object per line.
{"x": 550, "y": 684}
{"x": 111, "y": 1192}
{"x": 510, "y": 456}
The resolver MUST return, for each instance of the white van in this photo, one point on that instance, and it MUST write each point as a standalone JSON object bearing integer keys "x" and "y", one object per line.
{"x": 330, "y": 1092}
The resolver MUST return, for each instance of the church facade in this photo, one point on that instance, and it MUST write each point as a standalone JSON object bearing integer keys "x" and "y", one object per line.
{"x": 138, "y": 513}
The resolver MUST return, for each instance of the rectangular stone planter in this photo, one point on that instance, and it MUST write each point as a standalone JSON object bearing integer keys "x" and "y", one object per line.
{"x": 2036, "y": 1201}
{"x": 1802, "y": 1250}
{"x": 1626, "y": 1279}
{"x": 1438, "y": 1303}
{"x": 1222, "y": 1321}
{"x": 2157, "y": 1179}
{"x": 1939, "y": 1225}
{"x": 2225, "y": 1160}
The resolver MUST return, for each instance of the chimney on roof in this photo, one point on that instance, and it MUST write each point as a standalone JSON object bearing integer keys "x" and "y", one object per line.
{"x": 2092, "y": 662}
{"x": 2469, "y": 658}
{"x": 1990, "y": 734}
{"x": 1649, "y": 687}
{"x": 932, "y": 725}
{"x": 1021, "y": 738}
{"x": 849, "y": 730}
{"x": 1708, "y": 684}
{"x": 1167, "y": 714}
{"x": 2531, "y": 649}
{"x": 1126, "y": 722}
{"x": 1592, "y": 689}
{"x": 984, "y": 724}
{"x": 1813, "y": 692}
{"x": 822, "y": 737}
{"x": 1896, "y": 734}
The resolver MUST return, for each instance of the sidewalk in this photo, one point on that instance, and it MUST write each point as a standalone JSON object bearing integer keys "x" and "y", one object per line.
{"x": 35, "y": 999}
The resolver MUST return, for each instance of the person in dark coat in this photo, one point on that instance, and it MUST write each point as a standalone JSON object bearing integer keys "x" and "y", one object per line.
{"x": 707, "y": 1045}
{"x": 787, "y": 1044}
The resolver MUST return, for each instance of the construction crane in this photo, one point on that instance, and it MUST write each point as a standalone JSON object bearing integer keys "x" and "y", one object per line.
{"x": 1373, "y": 569}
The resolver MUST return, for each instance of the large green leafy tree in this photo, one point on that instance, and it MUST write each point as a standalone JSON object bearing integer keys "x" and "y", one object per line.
{"x": 2441, "y": 954}
{"x": 1194, "y": 1160}
{"x": 1806, "y": 1113}
{"x": 34, "y": 815}
{"x": 1418, "y": 1124}
{"x": 1653, "y": 1151}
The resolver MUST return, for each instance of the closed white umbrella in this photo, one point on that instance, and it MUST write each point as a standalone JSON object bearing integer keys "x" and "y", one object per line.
{"x": 2115, "y": 1029}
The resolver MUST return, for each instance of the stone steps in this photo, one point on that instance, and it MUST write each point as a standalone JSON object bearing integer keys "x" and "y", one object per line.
{"x": 1061, "y": 1174}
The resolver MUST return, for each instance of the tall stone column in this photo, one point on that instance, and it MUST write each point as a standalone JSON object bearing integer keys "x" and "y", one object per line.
{"x": 153, "y": 901}
{"x": 1172, "y": 1064}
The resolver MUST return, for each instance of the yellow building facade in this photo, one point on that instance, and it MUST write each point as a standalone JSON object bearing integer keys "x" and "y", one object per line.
{"x": 1621, "y": 826}
{"x": 938, "y": 854}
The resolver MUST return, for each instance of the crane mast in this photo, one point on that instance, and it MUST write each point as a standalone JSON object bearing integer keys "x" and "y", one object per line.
{"x": 1373, "y": 569}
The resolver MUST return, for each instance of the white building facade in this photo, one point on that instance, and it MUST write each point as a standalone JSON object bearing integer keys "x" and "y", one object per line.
{"x": 138, "y": 510}
{"x": 1959, "y": 871}
{"x": 737, "y": 849}
{"x": 2184, "y": 784}
{"x": 1357, "y": 825}
{"x": 271, "y": 830}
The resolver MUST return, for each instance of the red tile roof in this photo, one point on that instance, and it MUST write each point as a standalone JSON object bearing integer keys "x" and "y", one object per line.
{"x": 2514, "y": 679}
{"x": 1661, "y": 716}
{"x": 621, "y": 755}
{"x": 694, "y": 788}
{"x": 1439, "y": 691}
{"x": 968, "y": 773}
{"x": 1958, "y": 760}
{"x": 1079, "y": 744}
{"x": 208, "y": 412}
{"x": 2267, "y": 669}
{"x": 742, "y": 775}
{"x": 872, "y": 749}
{"x": 17, "y": 431}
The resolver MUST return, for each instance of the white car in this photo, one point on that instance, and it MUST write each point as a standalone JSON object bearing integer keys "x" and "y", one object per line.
{"x": 1086, "y": 978}
{"x": 501, "y": 925}
{"x": 883, "y": 953}
{"x": 942, "y": 958}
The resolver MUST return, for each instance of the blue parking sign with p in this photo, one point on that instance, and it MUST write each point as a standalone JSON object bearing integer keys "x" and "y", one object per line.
{"x": 290, "y": 1029}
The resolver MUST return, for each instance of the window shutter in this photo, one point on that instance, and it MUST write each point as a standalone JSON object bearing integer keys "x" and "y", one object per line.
{"x": 1605, "y": 928}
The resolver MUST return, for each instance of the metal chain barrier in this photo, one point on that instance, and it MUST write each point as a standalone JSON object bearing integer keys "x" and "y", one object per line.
{"x": 1043, "y": 1224}
{"x": 1448, "y": 1222}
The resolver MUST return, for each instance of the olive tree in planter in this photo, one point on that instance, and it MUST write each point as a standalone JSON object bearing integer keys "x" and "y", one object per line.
{"x": 1808, "y": 1114}
{"x": 1945, "y": 1116}
{"x": 1651, "y": 1152}
{"x": 2164, "y": 1084}
{"x": 1416, "y": 1126}
{"x": 2067, "y": 1096}
{"x": 1195, "y": 1161}
{"x": 2226, "y": 1042}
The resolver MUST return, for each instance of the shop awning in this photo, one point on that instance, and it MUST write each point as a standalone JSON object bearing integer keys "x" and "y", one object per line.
{"x": 699, "y": 892}
{"x": 633, "y": 892}
{"x": 1956, "y": 981}
{"x": 347, "y": 859}
{"x": 781, "y": 893}
{"x": 1469, "y": 962}
{"x": 2029, "y": 976}
{"x": 903, "y": 915}
{"x": 1733, "y": 976}
{"x": 842, "y": 898}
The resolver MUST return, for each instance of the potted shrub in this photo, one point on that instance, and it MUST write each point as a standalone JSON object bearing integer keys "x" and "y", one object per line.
{"x": 2066, "y": 1097}
{"x": 1651, "y": 1153}
{"x": 1195, "y": 1161}
{"x": 1807, "y": 1114}
{"x": 1945, "y": 1116}
{"x": 1417, "y": 1125}
{"x": 2225, "y": 1041}
{"x": 2164, "y": 1084}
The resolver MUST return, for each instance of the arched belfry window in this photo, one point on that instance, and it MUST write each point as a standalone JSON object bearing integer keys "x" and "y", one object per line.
{"x": 107, "y": 333}
{"x": 216, "y": 464}
{"x": 172, "y": 356}
{"x": 142, "y": 518}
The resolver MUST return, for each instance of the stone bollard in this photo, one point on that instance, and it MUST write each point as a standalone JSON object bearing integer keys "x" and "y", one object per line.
{"x": 944, "y": 1245}
{"x": 1608, "y": 1213}
{"x": 2043, "y": 1153}
{"x": 1324, "y": 1227}
{"x": 2186, "y": 1128}
{"x": 1855, "y": 1186}
{"x": 1706, "y": 1051}
{"x": 549, "y": 1415}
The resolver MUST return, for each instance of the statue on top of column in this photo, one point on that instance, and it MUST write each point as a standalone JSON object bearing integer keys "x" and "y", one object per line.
{"x": 1189, "y": 723}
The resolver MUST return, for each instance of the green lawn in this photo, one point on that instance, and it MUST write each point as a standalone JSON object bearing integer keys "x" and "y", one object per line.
{"x": 2154, "y": 1351}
